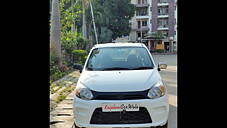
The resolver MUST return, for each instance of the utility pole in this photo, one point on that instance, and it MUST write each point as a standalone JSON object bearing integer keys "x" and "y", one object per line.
{"x": 93, "y": 20}
{"x": 84, "y": 29}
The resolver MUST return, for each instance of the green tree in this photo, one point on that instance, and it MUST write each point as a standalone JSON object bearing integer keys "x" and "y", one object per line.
{"x": 111, "y": 18}
{"x": 105, "y": 35}
{"x": 118, "y": 13}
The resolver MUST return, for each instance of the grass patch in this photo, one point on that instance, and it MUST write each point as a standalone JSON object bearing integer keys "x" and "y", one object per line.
{"x": 60, "y": 98}
{"x": 53, "y": 88}
{"x": 63, "y": 94}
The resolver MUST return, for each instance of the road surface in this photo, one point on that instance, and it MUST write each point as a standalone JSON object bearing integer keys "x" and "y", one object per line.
{"x": 169, "y": 76}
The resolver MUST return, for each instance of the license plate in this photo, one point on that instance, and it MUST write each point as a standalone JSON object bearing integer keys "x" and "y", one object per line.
{"x": 119, "y": 107}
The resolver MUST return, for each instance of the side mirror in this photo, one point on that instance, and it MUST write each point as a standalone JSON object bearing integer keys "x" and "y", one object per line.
{"x": 161, "y": 65}
{"x": 78, "y": 67}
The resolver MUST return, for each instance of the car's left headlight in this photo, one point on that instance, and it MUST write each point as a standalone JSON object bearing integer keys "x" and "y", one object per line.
{"x": 84, "y": 93}
{"x": 158, "y": 90}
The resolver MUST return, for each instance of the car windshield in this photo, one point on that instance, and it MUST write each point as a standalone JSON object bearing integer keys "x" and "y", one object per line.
{"x": 119, "y": 58}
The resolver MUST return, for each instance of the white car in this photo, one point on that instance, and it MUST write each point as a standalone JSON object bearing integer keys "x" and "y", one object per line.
{"x": 120, "y": 86}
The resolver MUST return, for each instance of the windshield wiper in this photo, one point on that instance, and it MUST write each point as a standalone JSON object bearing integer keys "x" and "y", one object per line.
{"x": 115, "y": 68}
{"x": 141, "y": 68}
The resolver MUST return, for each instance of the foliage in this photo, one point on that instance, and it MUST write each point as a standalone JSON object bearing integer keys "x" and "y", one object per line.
{"x": 160, "y": 50}
{"x": 64, "y": 93}
{"x": 105, "y": 35}
{"x": 81, "y": 42}
{"x": 111, "y": 18}
{"x": 118, "y": 13}
{"x": 80, "y": 56}
{"x": 70, "y": 37}
{"x": 54, "y": 88}
{"x": 112, "y": 21}
{"x": 155, "y": 35}
{"x": 69, "y": 14}
{"x": 56, "y": 72}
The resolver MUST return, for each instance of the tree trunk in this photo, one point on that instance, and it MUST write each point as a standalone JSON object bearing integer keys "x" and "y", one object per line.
{"x": 55, "y": 45}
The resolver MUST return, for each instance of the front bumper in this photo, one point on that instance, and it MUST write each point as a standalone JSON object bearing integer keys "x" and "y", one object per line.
{"x": 157, "y": 108}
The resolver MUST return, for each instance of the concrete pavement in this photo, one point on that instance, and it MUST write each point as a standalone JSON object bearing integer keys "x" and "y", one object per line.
{"x": 169, "y": 76}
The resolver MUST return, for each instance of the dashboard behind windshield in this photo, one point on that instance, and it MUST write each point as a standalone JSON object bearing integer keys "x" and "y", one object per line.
{"x": 119, "y": 58}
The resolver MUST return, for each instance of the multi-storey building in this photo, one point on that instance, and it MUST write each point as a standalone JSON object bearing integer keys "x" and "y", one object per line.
{"x": 141, "y": 22}
{"x": 175, "y": 37}
{"x": 154, "y": 16}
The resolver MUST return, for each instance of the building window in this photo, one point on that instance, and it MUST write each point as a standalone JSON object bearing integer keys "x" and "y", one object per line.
{"x": 139, "y": 1}
{"x": 141, "y": 12}
{"x": 163, "y": 10}
{"x": 162, "y": 1}
{"x": 138, "y": 23}
{"x": 144, "y": 23}
{"x": 162, "y": 23}
{"x": 142, "y": 1}
{"x": 159, "y": 11}
{"x": 138, "y": 34}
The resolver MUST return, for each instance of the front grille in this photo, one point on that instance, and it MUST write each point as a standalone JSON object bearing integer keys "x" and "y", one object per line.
{"x": 120, "y": 95}
{"x": 126, "y": 117}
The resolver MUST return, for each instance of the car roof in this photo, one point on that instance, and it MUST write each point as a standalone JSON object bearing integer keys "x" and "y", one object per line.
{"x": 119, "y": 45}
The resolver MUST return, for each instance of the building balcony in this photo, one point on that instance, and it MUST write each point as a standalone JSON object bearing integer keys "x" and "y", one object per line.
{"x": 143, "y": 28}
{"x": 143, "y": 17}
{"x": 141, "y": 5}
{"x": 162, "y": 28}
{"x": 163, "y": 16}
{"x": 175, "y": 38}
{"x": 163, "y": 4}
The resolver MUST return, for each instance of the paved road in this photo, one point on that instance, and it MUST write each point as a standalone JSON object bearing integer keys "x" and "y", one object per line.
{"x": 169, "y": 76}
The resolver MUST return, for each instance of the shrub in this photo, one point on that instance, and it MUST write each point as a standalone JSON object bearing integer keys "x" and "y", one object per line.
{"x": 55, "y": 72}
{"x": 159, "y": 50}
{"x": 80, "y": 56}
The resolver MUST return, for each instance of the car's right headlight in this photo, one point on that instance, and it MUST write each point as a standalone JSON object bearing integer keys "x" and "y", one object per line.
{"x": 84, "y": 93}
{"x": 158, "y": 90}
